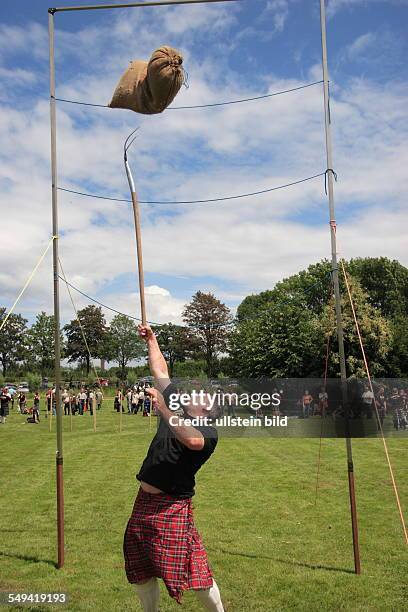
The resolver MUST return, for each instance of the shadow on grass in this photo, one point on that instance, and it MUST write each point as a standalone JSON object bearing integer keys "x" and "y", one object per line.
{"x": 28, "y": 558}
{"x": 312, "y": 566}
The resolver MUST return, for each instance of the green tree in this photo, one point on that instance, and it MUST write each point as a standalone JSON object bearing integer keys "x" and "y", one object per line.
{"x": 40, "y": 340}
{"x": 176, "y": 343}
{"x": 385, "y": 281}
{"x": 123, "y": 343}
{"x": 311, "y": 286}
{"x": 375, "y": 331}
{"x": 13, "y": 348}
{"x": 208, "y": 319}
{"x": 397, "y": 362}
{"x": 283, "y": 341}
{"x": 287, "y": 332}
{"x": 94, "y": 327}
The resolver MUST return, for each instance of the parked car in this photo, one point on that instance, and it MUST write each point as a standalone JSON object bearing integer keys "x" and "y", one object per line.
{"x": 23, "y": 387}
{"x": 104, "y": 382}
{"x": 11, "y": 385}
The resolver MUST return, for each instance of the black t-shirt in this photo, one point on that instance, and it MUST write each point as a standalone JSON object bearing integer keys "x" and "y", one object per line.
{"x": 169, "y": 465}
{"x": 4, "y": 400}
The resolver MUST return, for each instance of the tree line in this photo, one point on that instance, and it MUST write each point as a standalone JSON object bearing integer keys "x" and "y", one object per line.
{"x": 89, "y": 337}
{"x": 282, "y": 332}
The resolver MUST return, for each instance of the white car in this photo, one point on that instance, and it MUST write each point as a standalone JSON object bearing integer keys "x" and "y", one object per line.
{"x": 23, "y": 388}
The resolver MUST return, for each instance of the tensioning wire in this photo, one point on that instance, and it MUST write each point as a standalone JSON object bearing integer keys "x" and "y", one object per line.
{"x": 207, "y": 201}
{"x": 159, "y": 324}
{"x": 198, "y": 106}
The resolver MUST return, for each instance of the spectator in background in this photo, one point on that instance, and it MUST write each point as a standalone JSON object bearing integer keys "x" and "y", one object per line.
{"x": 66, "y": 401}
{"x": 48, "y": 398}
{"x": 54, "y": 401}
{"x": 91, "y": 399}
{"x": 232, "y": 403}
{"x": 368, "y": 401}
{"x": 71, "y": 398}
{"x": 86, "y": 400}
{"x": 396, "y": 406}
{"x": 403, "y": 409}
{"x": 307, "y": 403}
{"x": 323, "y": 402}
{"x": 129, "y": 400}
{"x": 141, "y": 399}
{"x": 381, "y": 403}
{"x": 147, "y": 405}
{"x": 117, "y": 402}
{"x": 99, "y": 399}
{"x": 135, "y": 401}
{"x": 36, "y": 407}
{"x": 276, "y": 407}
{"x": 82, "y": 401}
{"x": 21, "y": 402}
{"x": 12, "y": 393}
{"x": 5, "y": 399}
{"x": 77, "y": 403}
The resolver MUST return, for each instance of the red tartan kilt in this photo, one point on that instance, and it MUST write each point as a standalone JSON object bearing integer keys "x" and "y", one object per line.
{"x": 161, "y": 541}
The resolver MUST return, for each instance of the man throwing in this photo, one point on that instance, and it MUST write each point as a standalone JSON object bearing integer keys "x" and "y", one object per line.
{"x": 161, "y": 540}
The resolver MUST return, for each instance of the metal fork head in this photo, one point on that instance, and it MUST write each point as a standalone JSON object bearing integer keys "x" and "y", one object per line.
{"x": 129, "y": 141}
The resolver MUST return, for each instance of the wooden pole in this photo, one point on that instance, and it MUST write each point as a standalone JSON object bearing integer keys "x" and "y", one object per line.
{"x": 138, "y": 234}
{"x": 335, "y": 277}
{"x": 94, "y": 411}
{"x": 50, "y": 419}
{"x": 121, "y": 411}
{"x": 136, "y": 215}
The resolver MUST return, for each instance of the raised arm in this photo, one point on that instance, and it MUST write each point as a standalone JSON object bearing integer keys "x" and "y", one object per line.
{"x": 157, "y": 363}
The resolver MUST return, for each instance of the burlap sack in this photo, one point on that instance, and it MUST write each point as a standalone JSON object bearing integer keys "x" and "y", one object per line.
{"x": 149, "y": 87}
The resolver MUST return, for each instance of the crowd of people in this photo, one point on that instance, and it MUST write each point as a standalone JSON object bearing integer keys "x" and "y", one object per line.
{"x": 136, "y": 400}
{"x": 364, "y": 403}
{"x": 74, "y": 402}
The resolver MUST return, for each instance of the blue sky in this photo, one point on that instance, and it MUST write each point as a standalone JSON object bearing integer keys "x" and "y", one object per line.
{"x": 231, "y": 51}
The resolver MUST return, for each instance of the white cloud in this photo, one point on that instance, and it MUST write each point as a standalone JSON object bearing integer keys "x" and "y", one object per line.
{"x": 18, "y": 77}
{"x": 360, "y": 45}
{"x": 16, "y": 39}
{"x": 280, "y": 10}
{"x": 161, "y": 305}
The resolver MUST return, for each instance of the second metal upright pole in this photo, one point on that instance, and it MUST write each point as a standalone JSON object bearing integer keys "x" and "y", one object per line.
{"x": 335, "y": 275}
{"x": 57, "y": 340}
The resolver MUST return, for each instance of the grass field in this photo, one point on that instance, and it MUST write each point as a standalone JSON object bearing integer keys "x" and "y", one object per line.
{"x": 270, "y": 547}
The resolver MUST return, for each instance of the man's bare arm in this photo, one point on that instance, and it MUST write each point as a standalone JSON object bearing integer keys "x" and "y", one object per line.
{"x": 157, "y": 363}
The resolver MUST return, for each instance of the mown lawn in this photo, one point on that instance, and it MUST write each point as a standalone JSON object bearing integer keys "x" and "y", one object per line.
{"x": 270, "y": 547}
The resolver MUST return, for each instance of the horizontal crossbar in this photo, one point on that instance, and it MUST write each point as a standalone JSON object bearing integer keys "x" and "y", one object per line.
{"x": 94, "y": 7}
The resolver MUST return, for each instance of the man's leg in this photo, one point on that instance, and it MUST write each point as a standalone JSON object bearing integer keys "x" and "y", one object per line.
{"x": 149, "y": 594}
{"x": 210, "y": 599}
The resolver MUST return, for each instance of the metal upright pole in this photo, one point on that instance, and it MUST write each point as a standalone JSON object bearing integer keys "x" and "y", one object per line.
{"x": 335, "y": 273}
{"x": 59, "y": 455}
